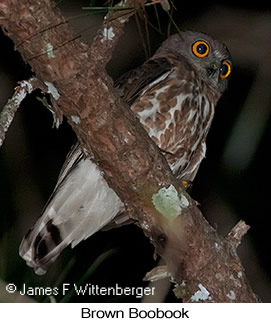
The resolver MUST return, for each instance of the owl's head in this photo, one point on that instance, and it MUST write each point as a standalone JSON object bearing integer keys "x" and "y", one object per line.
{"x": 209, "y": 58}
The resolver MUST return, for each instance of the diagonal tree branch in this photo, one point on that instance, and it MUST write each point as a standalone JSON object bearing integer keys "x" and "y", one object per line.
{"x": 204, "y": 266}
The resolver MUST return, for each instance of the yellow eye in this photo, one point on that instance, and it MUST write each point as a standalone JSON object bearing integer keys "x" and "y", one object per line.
{"x": 200, "y": 48}
{"x": 225, "y": 69}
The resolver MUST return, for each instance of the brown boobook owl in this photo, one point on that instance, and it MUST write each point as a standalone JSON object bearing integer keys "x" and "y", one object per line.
{"x": 174, "y": 95}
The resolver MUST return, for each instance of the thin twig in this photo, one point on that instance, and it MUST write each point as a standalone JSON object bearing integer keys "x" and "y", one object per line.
{"x": 235, "y": 236}
{"x": 8, "y": 113}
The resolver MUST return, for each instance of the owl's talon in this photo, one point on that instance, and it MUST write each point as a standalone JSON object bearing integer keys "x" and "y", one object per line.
{"x": 187, "y": 184}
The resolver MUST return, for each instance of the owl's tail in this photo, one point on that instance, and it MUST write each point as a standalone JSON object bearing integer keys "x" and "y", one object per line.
{"x": 81, "y": 204}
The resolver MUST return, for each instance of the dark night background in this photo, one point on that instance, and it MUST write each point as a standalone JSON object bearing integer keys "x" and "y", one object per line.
{"x": 232, "y": 184}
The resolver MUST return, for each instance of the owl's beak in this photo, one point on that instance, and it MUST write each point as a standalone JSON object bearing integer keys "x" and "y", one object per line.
{"x": 211, "y": 70}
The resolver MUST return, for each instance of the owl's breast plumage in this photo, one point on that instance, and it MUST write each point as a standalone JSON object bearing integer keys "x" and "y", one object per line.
{"x": 177, "y": 115}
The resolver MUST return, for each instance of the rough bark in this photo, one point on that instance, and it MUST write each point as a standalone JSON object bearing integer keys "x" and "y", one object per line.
{"x": 204, "y": 266}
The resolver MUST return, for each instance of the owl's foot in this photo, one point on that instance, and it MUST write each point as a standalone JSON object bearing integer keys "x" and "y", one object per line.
{"x": 187, "y": 184}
